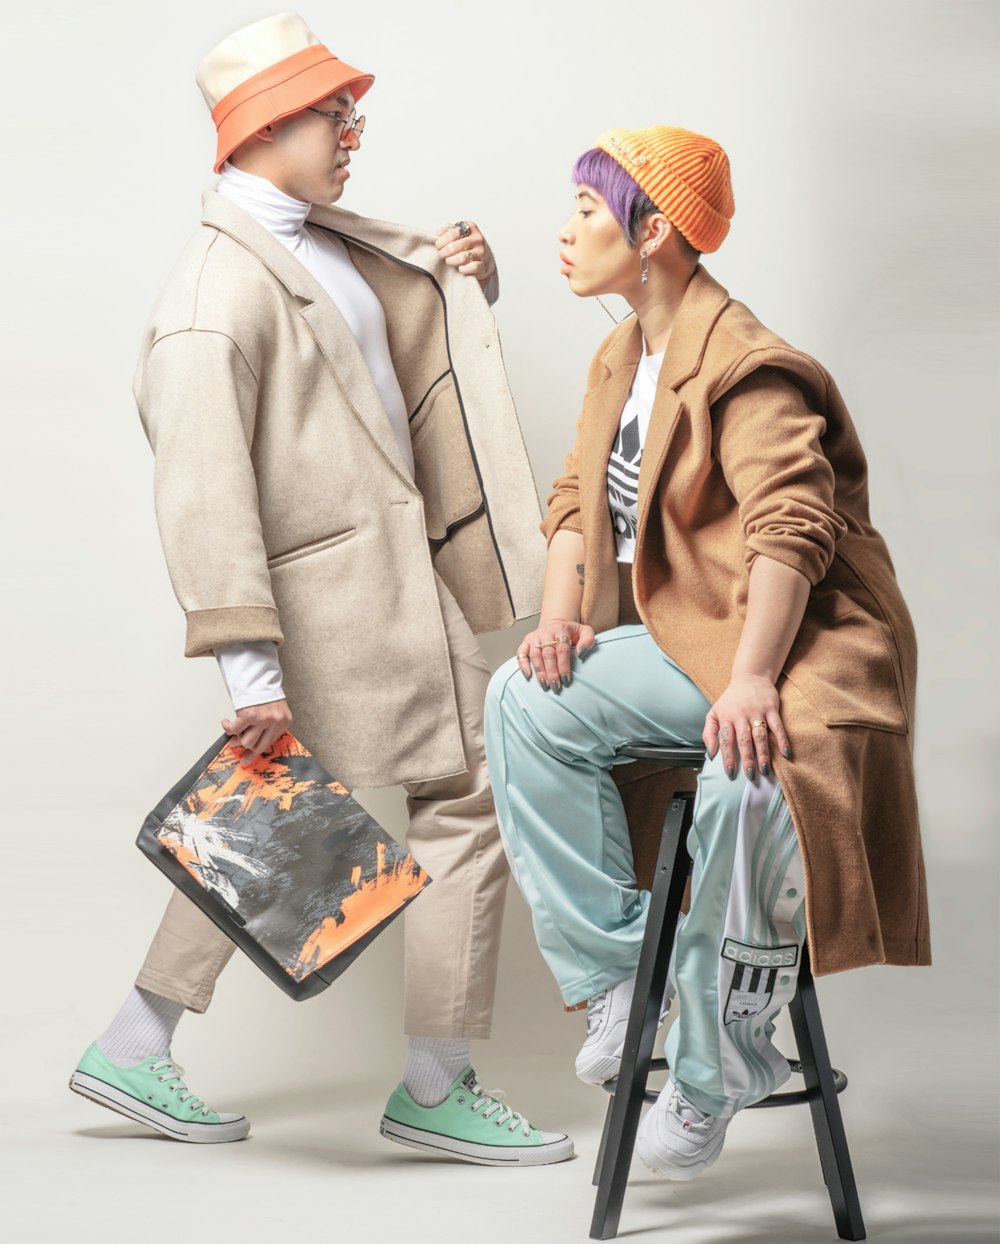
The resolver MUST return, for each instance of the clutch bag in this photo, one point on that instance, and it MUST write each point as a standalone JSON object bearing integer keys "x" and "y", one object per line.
{"x": 282, "y": 859}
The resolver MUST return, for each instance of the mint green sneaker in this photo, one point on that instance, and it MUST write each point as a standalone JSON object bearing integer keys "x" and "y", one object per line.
{"x": 154, "y": 1093}
{"x": 472, "y": 1124}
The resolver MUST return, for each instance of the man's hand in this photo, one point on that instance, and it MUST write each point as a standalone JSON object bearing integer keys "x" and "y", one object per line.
{"x": 466, "y": 251}
{"x": 257, "y": 726}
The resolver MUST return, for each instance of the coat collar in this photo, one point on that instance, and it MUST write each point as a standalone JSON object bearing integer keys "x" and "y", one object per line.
{"x": 406, "y": 246}
{"x": 221, "y": 213}
{"x": 703, "y": 302}
{"x": 333, "y": 336}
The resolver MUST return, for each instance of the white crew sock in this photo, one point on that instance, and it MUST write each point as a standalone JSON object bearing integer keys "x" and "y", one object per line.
{"x": 143, "y": 1028}
{"x": 432, "y": 1065}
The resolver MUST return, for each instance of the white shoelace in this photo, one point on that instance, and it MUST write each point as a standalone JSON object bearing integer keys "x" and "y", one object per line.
{"x": 690, "y": 1116}
{"x": 176, "y": 1072}
{"x": 595, "y": 1010}
{"x": 492, "y": 1099}
{"x": 598, "y": 1004}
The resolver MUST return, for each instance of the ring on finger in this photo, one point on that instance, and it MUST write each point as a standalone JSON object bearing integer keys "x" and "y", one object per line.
{"x": 758, "y": 722}
{"x": 468, "y": 256}
{"x": 463, "y": 227}
{"x": 563, "y": 639}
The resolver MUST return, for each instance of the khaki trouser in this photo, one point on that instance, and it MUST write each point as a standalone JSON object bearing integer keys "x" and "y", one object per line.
{"x": 452, "y": 930}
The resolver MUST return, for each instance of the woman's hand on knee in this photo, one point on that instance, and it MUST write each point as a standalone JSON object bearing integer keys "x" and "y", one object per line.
{"x": 740, "y": 724}
{"x": 547, "y": 651}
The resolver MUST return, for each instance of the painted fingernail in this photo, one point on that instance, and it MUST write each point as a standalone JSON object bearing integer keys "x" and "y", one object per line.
{"x": 556, "y": 686}
{"x": 787, "y": 753}
{"x": 730, "y": 772}
{"x": 565, "y": 680}
{"x": 543, "y": 684}
{"x": 581, "y": 653}
{"x": 765, "y": 768}
{"x": 750, "y": 773}
{"x": 527, "y": 674}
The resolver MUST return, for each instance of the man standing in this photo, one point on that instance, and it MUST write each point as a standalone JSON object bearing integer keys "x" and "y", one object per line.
{"x": 339, "y": 471}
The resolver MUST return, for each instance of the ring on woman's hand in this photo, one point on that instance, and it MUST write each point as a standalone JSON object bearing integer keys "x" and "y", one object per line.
{"x": 468, "y": 256}
{"x": 563, "y": 639}
{"x": 463, "y": 227}
{"x": 758, "y": 722}
{"x": 550, "y": 644}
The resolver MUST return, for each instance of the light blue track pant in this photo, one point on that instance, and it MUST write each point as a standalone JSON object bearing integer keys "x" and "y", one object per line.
{"x": 737, "y": 952}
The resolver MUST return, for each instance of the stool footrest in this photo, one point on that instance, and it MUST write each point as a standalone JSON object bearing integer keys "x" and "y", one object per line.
{"x": 791, "y": 1097}
{"x": 671, "y": 757}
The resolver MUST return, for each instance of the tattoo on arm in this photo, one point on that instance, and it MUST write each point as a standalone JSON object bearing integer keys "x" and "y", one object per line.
{"x": 579, "y": 571}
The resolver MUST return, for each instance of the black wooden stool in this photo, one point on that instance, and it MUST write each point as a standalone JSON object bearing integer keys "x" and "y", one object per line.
{"x": 628, "y": 1090}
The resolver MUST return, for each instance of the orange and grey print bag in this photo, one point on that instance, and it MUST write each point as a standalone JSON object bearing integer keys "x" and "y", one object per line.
{"x": 285, "y": 862}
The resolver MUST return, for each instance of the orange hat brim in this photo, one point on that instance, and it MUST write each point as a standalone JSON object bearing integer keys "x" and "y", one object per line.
{"x": 289, "y": 86}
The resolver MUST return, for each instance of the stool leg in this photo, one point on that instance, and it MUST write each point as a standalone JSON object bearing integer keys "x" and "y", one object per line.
{"x": 622, "y": 1122}
{"x": 599, "y": 1164}
{"x": 828, "y": 1123}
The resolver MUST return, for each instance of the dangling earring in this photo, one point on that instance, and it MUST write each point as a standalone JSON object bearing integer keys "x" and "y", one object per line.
{"x": 644, "y": 266}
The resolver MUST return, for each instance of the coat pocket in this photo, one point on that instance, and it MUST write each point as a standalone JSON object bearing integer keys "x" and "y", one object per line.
{"x": 306, "y": 550}
{"x": 844, "y": 662}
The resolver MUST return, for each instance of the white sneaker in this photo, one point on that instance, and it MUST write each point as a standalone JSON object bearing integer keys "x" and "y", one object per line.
{"x": 600, "y": 1056}
{"x": 677, "y": 1140}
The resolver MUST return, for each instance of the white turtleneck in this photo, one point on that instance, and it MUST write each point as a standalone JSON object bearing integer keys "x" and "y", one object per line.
{"x": 251, "y": 671}
{"x": 326, "y": 258}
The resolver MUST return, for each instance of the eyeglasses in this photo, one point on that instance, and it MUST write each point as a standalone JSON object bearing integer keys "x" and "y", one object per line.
{"x": 352, "y": 122}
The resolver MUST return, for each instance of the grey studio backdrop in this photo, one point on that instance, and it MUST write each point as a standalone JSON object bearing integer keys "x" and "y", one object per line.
{"x": 863, "y": 143}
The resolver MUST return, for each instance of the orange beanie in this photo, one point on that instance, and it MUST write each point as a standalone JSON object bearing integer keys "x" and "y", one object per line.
{"x": 685, "y": 174}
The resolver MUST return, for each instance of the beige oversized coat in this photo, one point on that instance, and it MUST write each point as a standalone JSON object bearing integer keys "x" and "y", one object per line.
{"x": 750, "y": 450}
{"x": 285, "y": 508}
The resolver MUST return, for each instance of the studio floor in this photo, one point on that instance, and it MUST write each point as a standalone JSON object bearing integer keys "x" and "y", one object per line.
{"x": 316, "y": 1169}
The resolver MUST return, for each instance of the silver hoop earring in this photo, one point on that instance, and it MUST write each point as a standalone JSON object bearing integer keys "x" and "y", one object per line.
{"x": 644, "y": 266}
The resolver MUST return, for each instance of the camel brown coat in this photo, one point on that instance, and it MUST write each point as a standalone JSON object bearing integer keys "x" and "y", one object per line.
{"x": 284, "y": 504}
{"x": 751, "y": 451}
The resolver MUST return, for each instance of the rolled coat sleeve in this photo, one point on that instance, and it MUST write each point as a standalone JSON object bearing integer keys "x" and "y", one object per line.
{"x": 564, "y": 500}
{"x": 563, "y": 512}
{"x": 768, "y": 442}
{"x": 197, "y": 400}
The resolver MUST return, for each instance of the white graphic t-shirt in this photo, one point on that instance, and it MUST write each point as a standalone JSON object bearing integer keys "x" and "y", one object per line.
{"x": 626, "y": 454}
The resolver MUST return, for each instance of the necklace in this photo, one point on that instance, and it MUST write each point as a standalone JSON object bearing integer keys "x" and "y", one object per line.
{"x": 611, "y": 314}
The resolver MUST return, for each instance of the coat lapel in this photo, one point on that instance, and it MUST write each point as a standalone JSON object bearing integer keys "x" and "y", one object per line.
{"x": 320, "y": 314}
{"x": 601, "y": 417}
{"x": 703, "y": 302}
{"x": 602, "y": 404}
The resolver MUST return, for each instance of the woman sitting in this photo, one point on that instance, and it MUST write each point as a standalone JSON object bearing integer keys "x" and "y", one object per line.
{"x": 713, "y": 566}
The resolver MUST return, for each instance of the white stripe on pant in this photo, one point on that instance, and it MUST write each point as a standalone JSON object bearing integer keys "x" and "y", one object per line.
{"x": 738, "y": 950}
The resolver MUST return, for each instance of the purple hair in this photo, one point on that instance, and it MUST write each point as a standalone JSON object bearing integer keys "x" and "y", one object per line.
{"x": 626, "y": 201}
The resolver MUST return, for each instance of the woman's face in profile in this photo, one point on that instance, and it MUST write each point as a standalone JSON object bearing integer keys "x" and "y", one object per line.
{"x": 596, "y": 259}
